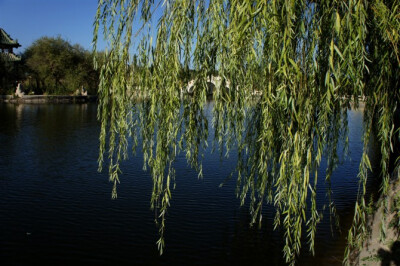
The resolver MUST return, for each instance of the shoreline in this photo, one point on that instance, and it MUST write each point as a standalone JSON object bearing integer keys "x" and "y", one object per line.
{"x": 375, "y": 252}
{"x": 47, "y": 99}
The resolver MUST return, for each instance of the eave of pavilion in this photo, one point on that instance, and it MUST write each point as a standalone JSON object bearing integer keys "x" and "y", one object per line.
{"x": 6, "y": 41}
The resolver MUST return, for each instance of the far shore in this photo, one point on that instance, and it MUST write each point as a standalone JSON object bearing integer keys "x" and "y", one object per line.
{"x": 47, "y": 99}
{"x": 93, "y": 98}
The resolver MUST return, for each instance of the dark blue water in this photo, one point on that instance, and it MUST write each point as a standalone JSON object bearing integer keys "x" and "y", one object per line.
{"x": 57, "y": 209}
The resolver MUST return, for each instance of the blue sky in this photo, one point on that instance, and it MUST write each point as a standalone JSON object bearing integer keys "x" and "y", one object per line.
{"x": 28, "y": 20}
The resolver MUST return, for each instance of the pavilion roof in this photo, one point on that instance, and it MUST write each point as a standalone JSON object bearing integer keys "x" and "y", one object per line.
{"x": 6, "y": 41}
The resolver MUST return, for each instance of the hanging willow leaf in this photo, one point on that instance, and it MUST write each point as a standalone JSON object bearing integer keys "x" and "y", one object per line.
{"x": 284, "y": 74}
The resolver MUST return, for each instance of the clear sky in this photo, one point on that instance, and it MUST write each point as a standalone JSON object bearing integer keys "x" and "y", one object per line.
{"x": 28, "y": 20}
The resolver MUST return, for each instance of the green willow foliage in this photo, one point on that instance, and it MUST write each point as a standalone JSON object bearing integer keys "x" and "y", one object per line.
{"x": 287, "y": 72}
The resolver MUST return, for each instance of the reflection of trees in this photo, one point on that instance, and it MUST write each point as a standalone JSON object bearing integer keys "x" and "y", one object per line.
{"x": 308, "y": 60}
{"x": 19, "y": 112}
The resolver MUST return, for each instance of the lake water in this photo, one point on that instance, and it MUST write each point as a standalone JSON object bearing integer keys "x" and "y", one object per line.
{"x": 57, "y": 209}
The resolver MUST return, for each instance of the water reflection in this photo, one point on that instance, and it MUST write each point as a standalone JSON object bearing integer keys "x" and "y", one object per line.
{"x": 50, "y": 188}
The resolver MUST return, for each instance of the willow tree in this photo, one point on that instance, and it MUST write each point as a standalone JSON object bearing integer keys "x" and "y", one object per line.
{"x": 287, "y": 72}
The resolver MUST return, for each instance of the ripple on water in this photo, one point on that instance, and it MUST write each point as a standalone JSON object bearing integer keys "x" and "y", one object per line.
{"x": 57, "y": 208}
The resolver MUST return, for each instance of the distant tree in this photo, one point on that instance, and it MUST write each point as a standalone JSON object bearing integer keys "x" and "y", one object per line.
{"x": 82, "y": 73}
{"x": 58, "y": 67}
{"x": 10, "y": 72}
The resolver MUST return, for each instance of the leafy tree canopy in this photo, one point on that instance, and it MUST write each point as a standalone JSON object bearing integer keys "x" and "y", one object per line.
{"x": 287, "y": 72}
{"x": 56, "y": 66}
